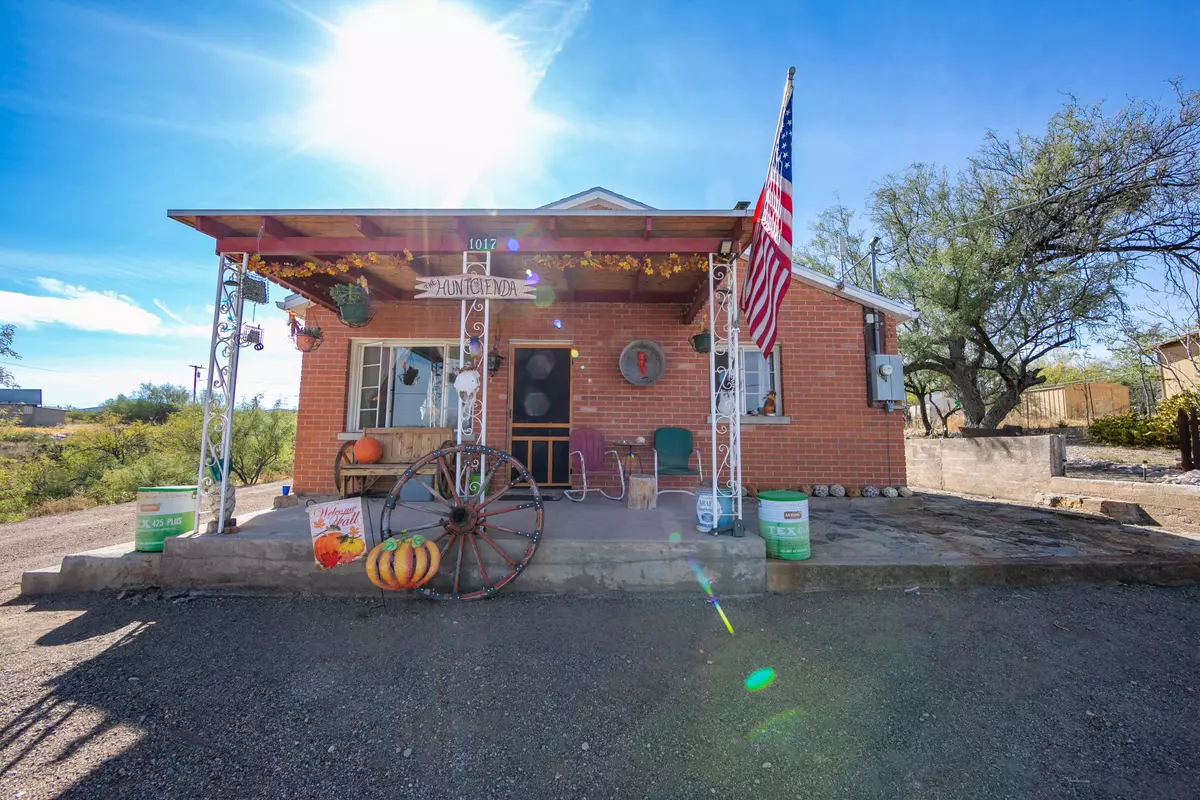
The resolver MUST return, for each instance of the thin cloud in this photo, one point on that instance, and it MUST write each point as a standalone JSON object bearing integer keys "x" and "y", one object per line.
{"x": 88, "y": 310}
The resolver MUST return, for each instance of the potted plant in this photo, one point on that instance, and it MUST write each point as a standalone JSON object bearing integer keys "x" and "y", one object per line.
{"x": 702, "y": 341}
{"x": 353, "y": 301}
{"x": 308, "y": 338}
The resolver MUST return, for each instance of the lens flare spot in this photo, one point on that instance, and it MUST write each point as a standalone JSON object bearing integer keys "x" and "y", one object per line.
{"x": 675, "y": 538}
{"x": 558, "y": 324}
{"x": 760, "y": 679}
{"x": 531, "y": 278}
{"x": 544, "y": 297}
{"x": 574, "y": 353}
{"x": 782, "y": 725}
{"x": 513, "y": 245}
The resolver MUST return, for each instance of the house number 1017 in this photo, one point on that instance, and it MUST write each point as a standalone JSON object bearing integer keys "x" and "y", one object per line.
{"x": 480, "y": 245}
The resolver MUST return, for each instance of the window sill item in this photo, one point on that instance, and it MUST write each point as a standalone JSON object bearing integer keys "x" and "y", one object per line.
{"x": 352, "y": 436}
{"x": 749, "y": 419}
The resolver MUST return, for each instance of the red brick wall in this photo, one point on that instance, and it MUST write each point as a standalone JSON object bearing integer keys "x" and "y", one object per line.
{"x": 834, "y": 437}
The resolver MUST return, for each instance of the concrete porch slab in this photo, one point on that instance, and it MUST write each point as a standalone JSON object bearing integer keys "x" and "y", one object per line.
{"x": 594, "y": 547}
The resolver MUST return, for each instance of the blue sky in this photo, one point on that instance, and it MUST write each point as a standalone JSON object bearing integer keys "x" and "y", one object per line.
{"x": 113, "y": 112}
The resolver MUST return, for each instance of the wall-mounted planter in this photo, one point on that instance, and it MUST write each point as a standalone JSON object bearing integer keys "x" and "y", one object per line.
{"x": 702, "y": 342}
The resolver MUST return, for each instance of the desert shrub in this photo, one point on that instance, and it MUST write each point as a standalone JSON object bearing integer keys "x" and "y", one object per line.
{"x": 156, "y": 469}
{"x": 1127, "y": 429}
{"x": 1132, "y": 428}
{"x": 76, "y": 502}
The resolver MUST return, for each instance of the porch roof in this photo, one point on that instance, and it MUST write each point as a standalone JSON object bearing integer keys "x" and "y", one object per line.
{"x": 445, "y": 231}
{"x": 438, "y": 237}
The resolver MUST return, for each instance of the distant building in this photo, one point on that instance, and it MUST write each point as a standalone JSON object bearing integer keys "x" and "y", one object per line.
{"x": 1177, "y": 368}
{"x": 24, "y": 407}
{"x": 1074, "y": 403}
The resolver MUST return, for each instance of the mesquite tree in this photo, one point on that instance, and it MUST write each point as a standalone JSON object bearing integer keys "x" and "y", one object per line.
{"x": 1029, "y": 246}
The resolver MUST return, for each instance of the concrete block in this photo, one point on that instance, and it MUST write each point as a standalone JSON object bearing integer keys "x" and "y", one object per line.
{"x": 287, "y": 501}
{"x": 1015, "y": 468}
{"x": 116, "y": 567}
{"x": 39, "y": 582}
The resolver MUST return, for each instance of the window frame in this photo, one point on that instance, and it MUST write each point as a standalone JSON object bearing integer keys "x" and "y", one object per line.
{"x": 353, "y": 416}
{"x": 776, "y": 374}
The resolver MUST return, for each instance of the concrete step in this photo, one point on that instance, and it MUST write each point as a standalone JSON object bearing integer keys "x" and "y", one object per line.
{"x": 39, "y": 582}
{"x": 1119, "y": 510}
{"x": 560, "y": 566}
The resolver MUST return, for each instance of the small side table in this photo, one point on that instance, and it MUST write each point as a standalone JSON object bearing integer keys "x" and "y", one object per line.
{"x": 631, "y": 456}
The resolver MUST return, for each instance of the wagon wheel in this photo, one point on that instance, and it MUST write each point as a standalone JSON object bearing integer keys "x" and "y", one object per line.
{"x": 484, "y": 546}
{"x": 344, "y": 457}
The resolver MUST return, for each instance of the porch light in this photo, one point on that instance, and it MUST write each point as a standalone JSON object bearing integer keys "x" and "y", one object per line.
{"x": 725, "y": 248}
{"x": 493, "y": 363}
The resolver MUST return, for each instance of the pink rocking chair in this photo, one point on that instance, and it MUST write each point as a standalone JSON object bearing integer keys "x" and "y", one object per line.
{"x": 587, "y": 457}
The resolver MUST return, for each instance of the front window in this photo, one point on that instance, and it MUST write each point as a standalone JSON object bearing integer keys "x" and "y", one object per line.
{"x": 758, "y": 377}
{"x": 404, "y": 385}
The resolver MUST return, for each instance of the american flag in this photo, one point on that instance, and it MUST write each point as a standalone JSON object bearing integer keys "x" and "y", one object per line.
{"x": 770, "y": 271}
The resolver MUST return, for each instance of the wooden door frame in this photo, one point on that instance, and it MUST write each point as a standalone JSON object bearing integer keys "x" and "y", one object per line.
{"x": 558, "y": 344}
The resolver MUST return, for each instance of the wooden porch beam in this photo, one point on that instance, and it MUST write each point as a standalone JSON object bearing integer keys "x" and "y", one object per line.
{"x": 552, "y": 227}
{"x": 571, "y": 276}
{"x": 621, "y": 296}
{"x": 368, "y": 227}
{"x": 637, "y": 279}
{"x": 332, "y": 245}
{"x": 271, "y": 227}
{"x": 310, "y": 290}
{"x": 699, "y": 295}
{"x": 649, "y": 228}
{"x": 215, "y": 229}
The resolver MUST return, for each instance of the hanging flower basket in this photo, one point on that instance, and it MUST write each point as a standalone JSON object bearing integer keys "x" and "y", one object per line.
{"x": 354, "y": 304}
{"x": 308, "y": 338}
{"x": 702, "y": 342}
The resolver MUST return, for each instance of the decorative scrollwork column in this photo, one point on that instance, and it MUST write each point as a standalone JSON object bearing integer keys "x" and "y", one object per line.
{"x": 221, "y": 390}
{"x": 474, "y": 324}
{"x": 725, "y": 396}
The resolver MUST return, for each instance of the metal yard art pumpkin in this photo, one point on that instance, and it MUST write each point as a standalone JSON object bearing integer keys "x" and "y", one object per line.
{"x": 396, "y": 564}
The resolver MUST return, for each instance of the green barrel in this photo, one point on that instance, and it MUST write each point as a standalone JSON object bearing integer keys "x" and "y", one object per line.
{"x": 783, "y": 523}
{"x": 163, "y": 511}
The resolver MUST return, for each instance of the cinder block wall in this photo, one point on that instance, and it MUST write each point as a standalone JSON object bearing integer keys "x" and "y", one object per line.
{"x": 833, "y": 437}
{"x": 1017, "y": 468}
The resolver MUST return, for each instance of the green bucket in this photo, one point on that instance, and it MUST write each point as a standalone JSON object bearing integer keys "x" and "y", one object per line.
{"x": 163, "y": 511}
{"x": 783, "y": 524}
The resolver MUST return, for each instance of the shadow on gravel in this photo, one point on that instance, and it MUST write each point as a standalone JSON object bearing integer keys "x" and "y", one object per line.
{"x": 986, "y": 693}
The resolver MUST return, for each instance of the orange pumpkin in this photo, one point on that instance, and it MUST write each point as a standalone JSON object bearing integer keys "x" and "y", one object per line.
{"x": 368, "y": 450}
{"x": 325, "y": 549}
{"x": 349, "y": 548}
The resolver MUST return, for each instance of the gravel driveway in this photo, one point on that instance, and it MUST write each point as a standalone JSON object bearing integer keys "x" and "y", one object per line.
{"x": 43, "y": 541}
{"x": 958, "y": 694}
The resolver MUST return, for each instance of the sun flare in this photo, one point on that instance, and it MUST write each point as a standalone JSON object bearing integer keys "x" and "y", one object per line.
{"x": 425, "y": 93}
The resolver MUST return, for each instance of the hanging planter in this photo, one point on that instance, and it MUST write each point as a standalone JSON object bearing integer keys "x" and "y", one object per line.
{"x": 354, "y": 303}
{"x": 308, "y": 338}
{"x": 702, "y": 342}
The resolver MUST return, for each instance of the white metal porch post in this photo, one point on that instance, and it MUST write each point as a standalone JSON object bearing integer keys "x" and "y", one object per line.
{"x": 472, "y": 409}
{"x": 725, "y": 395}
{"x": 221, "y": 389}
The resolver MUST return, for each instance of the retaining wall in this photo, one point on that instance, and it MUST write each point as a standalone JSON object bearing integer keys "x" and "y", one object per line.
{"x": 1015, "y": 468}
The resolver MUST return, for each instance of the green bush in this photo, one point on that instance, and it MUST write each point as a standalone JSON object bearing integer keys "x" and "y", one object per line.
{"x": 1131, "y": 428}
{"x": 121, "y": 484}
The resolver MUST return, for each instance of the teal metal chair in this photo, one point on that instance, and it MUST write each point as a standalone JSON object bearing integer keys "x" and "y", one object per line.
{"x": 673, "y": 450}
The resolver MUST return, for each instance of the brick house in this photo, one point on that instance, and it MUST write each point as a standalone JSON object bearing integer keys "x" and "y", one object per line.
{"x": 824, "y": 427}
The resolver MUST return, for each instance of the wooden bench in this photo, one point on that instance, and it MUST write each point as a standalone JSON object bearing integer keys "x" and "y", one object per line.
{"x": 402, "y": 447}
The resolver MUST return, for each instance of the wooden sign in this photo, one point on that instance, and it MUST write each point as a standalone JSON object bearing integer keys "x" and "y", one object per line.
{"x": 473, "y": 287}
{"x": 337, "y": 532}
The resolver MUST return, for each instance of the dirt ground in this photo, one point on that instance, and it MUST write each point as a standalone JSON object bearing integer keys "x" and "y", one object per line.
{"x": 43, "y": 541}
{"x": 1109, "y": 462}
{"x": 1077, "y": 692}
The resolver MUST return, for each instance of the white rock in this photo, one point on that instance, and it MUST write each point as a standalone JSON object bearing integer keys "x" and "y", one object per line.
{"x": 331, "y": 748}
{"x": 407, "y": 752}
{"x": 766, "y": 765}
{"x": 820, "y": 491}
{"x": 837, "y": 490}
{"x": 890, "y": 491}
{"x": 904, "y": 491}
{"x": 585, "y": 745}
{"x": 870, "y": 491}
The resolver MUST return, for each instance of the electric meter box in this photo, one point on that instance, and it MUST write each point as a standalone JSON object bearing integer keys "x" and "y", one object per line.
{"x": 886, "y": 381}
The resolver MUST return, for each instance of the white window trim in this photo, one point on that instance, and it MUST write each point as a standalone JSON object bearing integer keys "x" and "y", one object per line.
{"x": 354, "y": 392}
{"x": 779, "y": 417}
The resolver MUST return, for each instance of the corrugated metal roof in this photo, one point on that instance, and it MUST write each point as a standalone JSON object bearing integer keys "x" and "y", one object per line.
{"x": 25, "y": 397}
